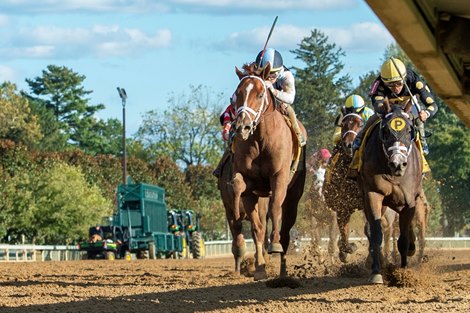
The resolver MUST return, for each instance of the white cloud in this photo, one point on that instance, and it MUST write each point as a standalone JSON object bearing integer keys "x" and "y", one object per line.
{"x": 360, "y": 37}
{"x": 151, "y": 6}
{"x": 74, "y": 6}
{"x": 98, "y": 40}
{"x": 7, "y": 73}
{"x": 269, "y": 5}
{"x": 356, "y": 38}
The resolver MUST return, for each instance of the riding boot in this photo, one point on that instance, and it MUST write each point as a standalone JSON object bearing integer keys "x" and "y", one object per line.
{"x": 354, "y": 166}
{"x": 422, "y": 137}
{"x": 222, "y": 161}
{"x": 295, "y": 125}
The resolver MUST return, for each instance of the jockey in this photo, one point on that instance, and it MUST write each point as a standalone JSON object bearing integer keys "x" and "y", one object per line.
{"x": 389, "y": 86}
{"x": 353, "y": 104}
{"x": 226, "y": 118}
{"x": 281, "y": 83}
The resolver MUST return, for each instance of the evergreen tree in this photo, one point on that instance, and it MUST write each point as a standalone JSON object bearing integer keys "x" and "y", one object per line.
{"x": 61, "y": 102}
{"x": 320, "y": 87}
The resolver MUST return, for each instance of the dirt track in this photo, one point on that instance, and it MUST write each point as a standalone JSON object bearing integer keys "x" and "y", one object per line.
{"x": 441, "y": 284}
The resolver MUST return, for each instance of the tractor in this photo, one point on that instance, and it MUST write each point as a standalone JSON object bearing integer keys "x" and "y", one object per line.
{"x": 186, "y": 223}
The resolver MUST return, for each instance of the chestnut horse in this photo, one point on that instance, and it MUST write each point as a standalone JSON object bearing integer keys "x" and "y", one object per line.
{"x": 391, "y": 175}
{"x": 235, "y": 221}
{"x": 263, "y": 151}
{"x": 342, "y": 194}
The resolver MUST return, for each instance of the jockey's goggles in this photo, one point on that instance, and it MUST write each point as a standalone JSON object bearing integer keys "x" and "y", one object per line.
{"x": 273, "y": 75}
{"x": 394, "y": 84}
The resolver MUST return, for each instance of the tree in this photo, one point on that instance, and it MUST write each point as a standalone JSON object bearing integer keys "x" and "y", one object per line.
{"x": 320, "y": 87}
{"x": 16, "y": 121}
{"x": 170, "y": 177}
{"x": 188, "y": 132}
{"x": 62, "y": 103}
{"x": 66, "y": 206}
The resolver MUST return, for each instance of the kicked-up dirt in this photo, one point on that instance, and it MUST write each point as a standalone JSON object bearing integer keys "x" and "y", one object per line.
{"x": 442, "y": 284}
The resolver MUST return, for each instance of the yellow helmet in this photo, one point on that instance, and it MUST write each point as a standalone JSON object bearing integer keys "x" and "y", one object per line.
{"x": 354, "y": 103}
{"x": 391, "y": 70}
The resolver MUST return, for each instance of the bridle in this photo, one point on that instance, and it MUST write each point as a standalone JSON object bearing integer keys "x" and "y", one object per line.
{"x": 397, "y": 147}
{"x": 253, "y": 115}
{"x": 350, "y": 131}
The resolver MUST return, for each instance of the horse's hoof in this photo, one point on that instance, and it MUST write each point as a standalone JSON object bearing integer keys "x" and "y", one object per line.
{"x": 351, "y": 248}
{"x": 376, "y": 279}
{"x": 275, "y": 248}
{"x": 343, "y": 257}
{"x": 411, "y": 249}
{"x": 261, "y": 275}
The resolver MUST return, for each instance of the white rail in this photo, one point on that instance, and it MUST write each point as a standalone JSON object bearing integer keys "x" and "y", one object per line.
{"x": 31, "y": 253}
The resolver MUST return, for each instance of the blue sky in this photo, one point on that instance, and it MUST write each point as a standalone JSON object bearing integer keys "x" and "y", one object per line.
{"x": 155, "y": 48}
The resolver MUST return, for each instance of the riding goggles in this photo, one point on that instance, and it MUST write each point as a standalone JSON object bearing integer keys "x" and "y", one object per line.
{"x": 394, "y": 84}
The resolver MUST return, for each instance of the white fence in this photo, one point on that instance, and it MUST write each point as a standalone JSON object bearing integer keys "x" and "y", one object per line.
{"x": 30, "y": 253}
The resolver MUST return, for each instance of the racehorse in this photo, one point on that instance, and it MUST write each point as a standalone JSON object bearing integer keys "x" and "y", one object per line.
{"x": 391, "y": 175}
{"x": 235, "y": 221}
{"x": 321, "y": 215}
{"x": 263, "y": 151}
{"x": 390, "y": 228}
{"x": 342, "y": 194}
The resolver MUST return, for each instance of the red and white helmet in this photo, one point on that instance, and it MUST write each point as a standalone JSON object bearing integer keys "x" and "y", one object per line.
{"x": 324, "y": 154}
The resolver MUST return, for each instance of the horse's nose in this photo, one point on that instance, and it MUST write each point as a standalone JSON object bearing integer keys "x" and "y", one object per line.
{"x": 394, "y": 165}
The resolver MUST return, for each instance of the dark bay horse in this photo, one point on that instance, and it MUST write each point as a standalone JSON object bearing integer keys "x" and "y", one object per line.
{"x": 263, "y": 152}
{"x": 235, "y": 220}
{"x": 391, "y": 175}
{"x": 342, "y": 194}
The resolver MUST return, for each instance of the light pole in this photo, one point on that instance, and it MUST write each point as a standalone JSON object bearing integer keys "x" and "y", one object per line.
{"x": 123, "y": 95}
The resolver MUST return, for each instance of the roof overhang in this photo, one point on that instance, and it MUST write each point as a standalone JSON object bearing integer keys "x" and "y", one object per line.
{"x": 434, "y": 34}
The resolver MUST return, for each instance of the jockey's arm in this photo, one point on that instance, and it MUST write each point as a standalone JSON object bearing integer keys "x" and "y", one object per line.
{"x": 377, "y": 96}
{"x": 286, "y": 91}
{"x": 419, "y": 87}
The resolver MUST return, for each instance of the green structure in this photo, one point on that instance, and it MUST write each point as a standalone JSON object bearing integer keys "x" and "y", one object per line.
{"x": 142, "y": 213}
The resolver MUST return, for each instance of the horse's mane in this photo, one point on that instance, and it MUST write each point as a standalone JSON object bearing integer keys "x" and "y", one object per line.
{"x": 251, "y": 69}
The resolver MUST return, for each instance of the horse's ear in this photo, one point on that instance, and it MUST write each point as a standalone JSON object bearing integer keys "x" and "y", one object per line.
{"x": 265, "y": 73}
{"x": 239, "y": 73}
{"x": 388, "y": 108}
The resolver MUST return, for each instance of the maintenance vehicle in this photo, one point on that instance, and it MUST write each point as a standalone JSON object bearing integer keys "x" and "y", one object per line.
{"x": 142, "y": 211}
{"x": 105, "y": 242}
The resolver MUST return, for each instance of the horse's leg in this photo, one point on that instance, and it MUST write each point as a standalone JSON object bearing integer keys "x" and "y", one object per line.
{"x": 332, "y": 232}
{"x": 373, "y": 212}
{"x": 238, "y": 241}
{"x": 250, "y": 203}
{"x": 420, "y": 220}
{"x": 238, "y": 249}
{"x": 315, "y": 236}
{"x": 395, "y": 234}
{"x": 406, "y": 231}
{"x": 279, "y": 191}
{"x": 344, "y": 246}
